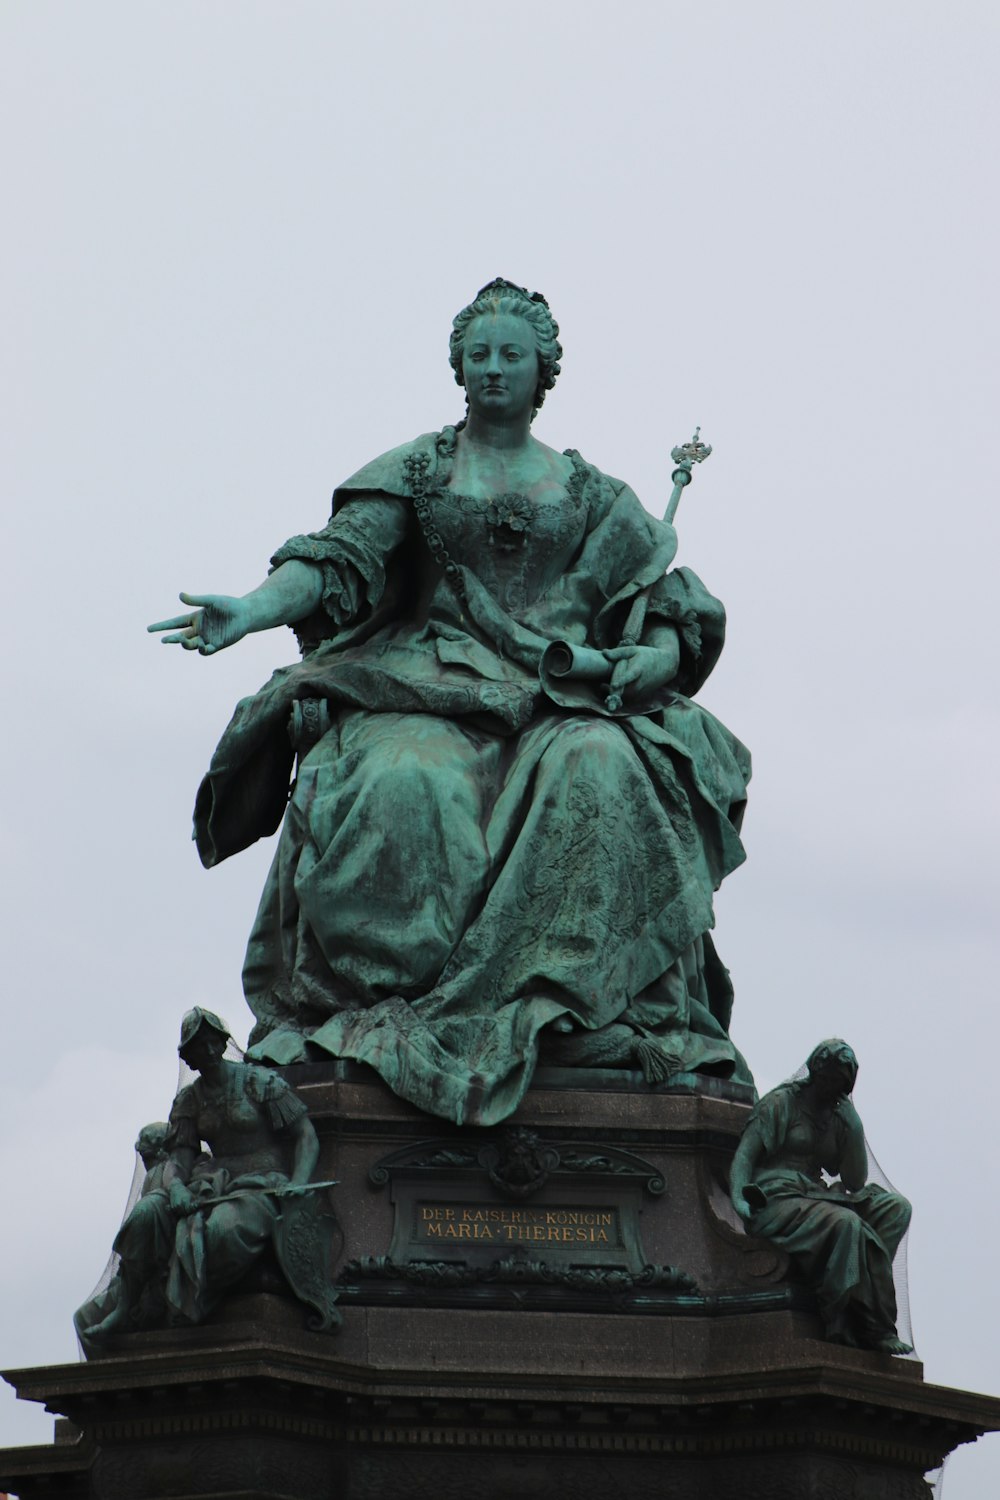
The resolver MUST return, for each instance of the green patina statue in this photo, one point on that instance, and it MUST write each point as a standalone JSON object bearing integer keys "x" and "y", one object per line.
{"x": 508, "y": 816}
{"x": 842, "y": 1235}
{"x": 143, "y": 1245}
{"x": 204, "y": 1218}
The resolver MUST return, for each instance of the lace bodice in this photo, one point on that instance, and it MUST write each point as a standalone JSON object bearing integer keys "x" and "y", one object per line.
{"x": 520, "y": 545}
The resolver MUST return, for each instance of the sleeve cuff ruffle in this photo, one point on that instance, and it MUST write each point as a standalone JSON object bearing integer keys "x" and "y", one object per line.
{"x": 342, "y": 587}
{"x": 353, "y": 572}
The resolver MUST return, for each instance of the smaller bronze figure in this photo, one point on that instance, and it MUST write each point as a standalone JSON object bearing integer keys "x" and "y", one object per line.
{"x": 144, "y": 1243}
{"x": 205, "y": 1217}
{"x": 842, "y": 1236}
{"x": 245, "y": 1196}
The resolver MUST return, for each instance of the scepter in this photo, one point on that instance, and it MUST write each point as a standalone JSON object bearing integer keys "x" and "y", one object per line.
{"x": 685, "y": 456}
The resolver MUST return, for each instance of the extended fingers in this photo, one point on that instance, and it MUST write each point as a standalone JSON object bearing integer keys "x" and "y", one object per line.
{"x": 176, "y": 623}
{"x": 207, "y": 601}
{"x": 190, "y": 637}
{"x": 186, "y": 629}
{"x": 182, "y": 638}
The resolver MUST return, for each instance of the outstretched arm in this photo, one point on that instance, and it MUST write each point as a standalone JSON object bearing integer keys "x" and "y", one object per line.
{"x": 293, "y": 591}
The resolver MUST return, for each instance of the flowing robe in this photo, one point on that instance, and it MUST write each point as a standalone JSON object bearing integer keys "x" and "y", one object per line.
{"x": 474, "y": 848}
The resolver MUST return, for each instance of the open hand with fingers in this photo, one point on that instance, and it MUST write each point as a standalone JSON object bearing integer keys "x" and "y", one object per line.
{"x": 217, "y": 622}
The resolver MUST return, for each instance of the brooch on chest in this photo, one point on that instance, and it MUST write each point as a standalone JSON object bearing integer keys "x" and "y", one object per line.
{"x": 509, "y": 518}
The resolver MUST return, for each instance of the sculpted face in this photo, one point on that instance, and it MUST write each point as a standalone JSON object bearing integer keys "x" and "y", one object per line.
{"x": 835, "y": 1069}
{"x": 500, "y": 365}
{"x": 205, "y": 1049}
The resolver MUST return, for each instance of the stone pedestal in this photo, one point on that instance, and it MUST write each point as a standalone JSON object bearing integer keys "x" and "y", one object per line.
{"x": 572, "y": 1306}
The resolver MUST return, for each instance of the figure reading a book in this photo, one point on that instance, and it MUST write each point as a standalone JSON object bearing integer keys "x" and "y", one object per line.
{"x": 800, "y": 1179}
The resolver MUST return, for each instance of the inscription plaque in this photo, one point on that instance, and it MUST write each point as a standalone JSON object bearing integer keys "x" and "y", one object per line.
{"x": 451, "y": 1204}
{"x": 440, "y": 1223}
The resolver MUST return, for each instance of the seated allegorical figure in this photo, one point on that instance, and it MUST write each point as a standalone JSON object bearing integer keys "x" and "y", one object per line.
{"x": 841, "y": 1236}
{"x": 479, "y": 858}
{"x": 241, "y": 1197}
{"x": 204, "y": 1217}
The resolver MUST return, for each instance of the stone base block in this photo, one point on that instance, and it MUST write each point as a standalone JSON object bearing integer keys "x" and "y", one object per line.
{"x": 413, "y": 1404}
{"x": 572, "y": 1308}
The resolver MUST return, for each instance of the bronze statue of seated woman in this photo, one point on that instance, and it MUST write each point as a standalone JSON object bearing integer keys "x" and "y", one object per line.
{"x": 478, "y": 854}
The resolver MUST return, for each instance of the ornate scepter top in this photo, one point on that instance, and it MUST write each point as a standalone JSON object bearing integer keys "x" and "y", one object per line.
{"x": 685, "y": 457}
{"x": 693, "y": 452}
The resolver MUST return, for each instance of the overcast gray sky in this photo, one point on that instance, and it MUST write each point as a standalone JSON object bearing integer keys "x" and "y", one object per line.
{"x": 235, "y": 237}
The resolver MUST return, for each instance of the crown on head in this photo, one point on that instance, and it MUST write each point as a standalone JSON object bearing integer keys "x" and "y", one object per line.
{"x": 501, "y": 284}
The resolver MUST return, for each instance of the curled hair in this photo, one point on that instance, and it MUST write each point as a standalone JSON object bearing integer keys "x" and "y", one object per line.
{"x": 152, "y": 1138}
{"x": 501, "y": 296}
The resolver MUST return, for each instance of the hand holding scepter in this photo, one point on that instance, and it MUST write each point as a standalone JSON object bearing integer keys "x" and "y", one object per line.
{"x": 685, "y": 457}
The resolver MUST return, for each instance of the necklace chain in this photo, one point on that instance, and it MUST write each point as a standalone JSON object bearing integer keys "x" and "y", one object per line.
{"x": 415, "y": 468}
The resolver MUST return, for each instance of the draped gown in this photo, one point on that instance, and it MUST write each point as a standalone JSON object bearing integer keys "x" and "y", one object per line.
{"x": 473, "y": 848}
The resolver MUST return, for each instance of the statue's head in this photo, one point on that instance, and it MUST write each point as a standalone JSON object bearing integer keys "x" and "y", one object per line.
{"x": 203, "y": 1036}
{"x": 503, "y": 297}
{"x": 151, "y": 1141}
{"x": 834, "y": 1065}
